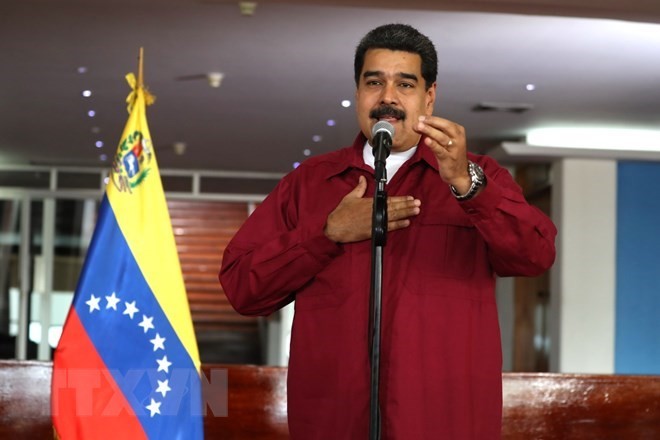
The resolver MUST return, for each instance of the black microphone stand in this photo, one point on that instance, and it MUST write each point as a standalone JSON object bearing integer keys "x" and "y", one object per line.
{"x": 378, "y": 241}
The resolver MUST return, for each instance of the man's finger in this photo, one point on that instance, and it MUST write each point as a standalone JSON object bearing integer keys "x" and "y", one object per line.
{"x": 398, "y": 199}
{"x": 360, "y": 189}
{"x": 407, "y": 203}
{"x": 403, "y": 213}
{"x": 398, "y": 224}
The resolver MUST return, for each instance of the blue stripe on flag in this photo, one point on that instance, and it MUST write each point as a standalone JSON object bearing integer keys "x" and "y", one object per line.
{"x": 135, "y": 345}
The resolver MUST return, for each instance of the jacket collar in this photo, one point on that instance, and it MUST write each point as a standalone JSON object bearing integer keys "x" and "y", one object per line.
{"x": 353, "y": 157}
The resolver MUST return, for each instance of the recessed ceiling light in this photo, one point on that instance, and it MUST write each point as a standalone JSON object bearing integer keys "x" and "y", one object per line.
{"x": 91, "y": 113}
{"x": 99, "y": 144}
{"x": 296, "y": 164}
{"x": 87, "y": 93}
{"x": 316, "y": 138}
{"x": 103, "y": 157}
{"x": 346, "y": 103}
{"x": 530, "y": 87}
{"x": 331, "y": 122}
{"x": 307, "y": 152}
{"x": 82, "y": 69}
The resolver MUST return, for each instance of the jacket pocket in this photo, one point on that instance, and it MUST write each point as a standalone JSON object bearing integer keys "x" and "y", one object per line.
{"x": 329, "y": 288}
{"x": 447, "y": 245}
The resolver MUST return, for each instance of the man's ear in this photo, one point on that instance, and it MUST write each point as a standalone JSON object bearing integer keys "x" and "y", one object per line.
{"x": 430, "y": 99}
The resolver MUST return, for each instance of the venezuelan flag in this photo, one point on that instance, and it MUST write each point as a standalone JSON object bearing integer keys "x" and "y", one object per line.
{"x": 127, "y": 365}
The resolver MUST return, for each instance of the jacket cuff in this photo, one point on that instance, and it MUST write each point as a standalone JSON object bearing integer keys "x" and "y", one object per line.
{"x": 321, "y": 247}
{"x": 484, "y": 204}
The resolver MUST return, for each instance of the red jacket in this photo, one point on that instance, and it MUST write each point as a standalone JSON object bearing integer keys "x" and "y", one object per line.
{"x": 440, "y": 349}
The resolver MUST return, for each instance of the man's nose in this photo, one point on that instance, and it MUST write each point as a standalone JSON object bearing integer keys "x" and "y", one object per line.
{"x": 389, "y": 94}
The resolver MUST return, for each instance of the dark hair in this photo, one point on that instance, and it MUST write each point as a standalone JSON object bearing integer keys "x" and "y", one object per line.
{"x": 399, "y": 37}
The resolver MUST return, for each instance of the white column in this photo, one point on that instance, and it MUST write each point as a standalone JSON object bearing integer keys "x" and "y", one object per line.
{"x": 45, "y": 287}
{"x": 24, "y": 274}
{"x": 583, "y": 277}
{"x": 279, "y": 336}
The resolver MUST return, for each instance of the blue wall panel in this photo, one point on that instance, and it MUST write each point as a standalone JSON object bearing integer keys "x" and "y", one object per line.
{"x": 637, "y": 345}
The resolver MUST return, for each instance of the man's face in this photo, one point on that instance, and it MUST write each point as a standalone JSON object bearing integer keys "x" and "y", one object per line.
{"x": 391, "y": 88}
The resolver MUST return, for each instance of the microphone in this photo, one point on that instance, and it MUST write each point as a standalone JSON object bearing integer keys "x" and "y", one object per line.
{"x": 381, "y": 141}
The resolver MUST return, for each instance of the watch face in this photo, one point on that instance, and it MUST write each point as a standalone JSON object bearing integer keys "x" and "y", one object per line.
{"x": 478, "y": 179}
{"x": 476, "y": 173}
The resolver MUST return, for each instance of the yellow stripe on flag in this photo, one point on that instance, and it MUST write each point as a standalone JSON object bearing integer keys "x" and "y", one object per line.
{"x": 135, "y": 191}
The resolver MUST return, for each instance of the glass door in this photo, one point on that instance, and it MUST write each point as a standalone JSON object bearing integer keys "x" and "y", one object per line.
{"x": 43, "y": 243}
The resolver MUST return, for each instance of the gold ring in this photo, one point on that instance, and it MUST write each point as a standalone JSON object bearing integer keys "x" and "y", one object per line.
{"x": 450, "y": 143}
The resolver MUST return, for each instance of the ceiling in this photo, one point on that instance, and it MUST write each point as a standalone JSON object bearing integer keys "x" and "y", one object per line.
{"x": 289, "y": 66}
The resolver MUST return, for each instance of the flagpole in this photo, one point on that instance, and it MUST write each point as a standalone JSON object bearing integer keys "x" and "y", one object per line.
{"x": 140, "y": 80}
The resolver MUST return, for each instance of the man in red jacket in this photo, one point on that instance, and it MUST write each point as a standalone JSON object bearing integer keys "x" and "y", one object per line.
{"x": 455, "y": 221}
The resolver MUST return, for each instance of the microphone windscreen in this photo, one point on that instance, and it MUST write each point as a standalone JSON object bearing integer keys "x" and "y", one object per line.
{"x": 382, "y": 126}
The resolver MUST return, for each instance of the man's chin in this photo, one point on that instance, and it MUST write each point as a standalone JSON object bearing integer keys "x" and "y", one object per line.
{"x": 399, "y": 145}
{"x": 398, "y": 148}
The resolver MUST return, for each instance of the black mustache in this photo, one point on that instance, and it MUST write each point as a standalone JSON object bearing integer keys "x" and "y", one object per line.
{"x": 386, "y": 110}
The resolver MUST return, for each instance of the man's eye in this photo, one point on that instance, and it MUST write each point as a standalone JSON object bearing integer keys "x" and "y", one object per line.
{"x": 407, "y": 85}
{"x": 373, "y": 82}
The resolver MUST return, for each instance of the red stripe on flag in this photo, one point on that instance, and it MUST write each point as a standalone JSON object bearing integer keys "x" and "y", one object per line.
{"x": 86, "y": 402}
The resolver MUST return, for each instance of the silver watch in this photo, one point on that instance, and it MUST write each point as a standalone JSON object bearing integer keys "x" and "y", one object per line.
{"x": 478, "y": 179}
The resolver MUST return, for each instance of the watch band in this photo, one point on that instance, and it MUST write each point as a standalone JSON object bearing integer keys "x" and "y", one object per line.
{"x": 478, "y": 179}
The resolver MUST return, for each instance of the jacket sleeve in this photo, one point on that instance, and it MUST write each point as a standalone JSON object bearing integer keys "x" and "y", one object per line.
{"x": 520, "y": 238}
{"x": 272, "y": 256}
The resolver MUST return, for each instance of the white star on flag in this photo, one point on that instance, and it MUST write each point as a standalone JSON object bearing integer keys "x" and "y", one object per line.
{"x": 164, "y": 364}
{"x": 154, "y": 407}
{"x": 112, "y": 301}
{"x": 163, "y": 387}
{"x": 130, "y": 309}
{"x": 147, "y": 323}
{"x": 93, "y": 303}
{"x": 158, "y": 342}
